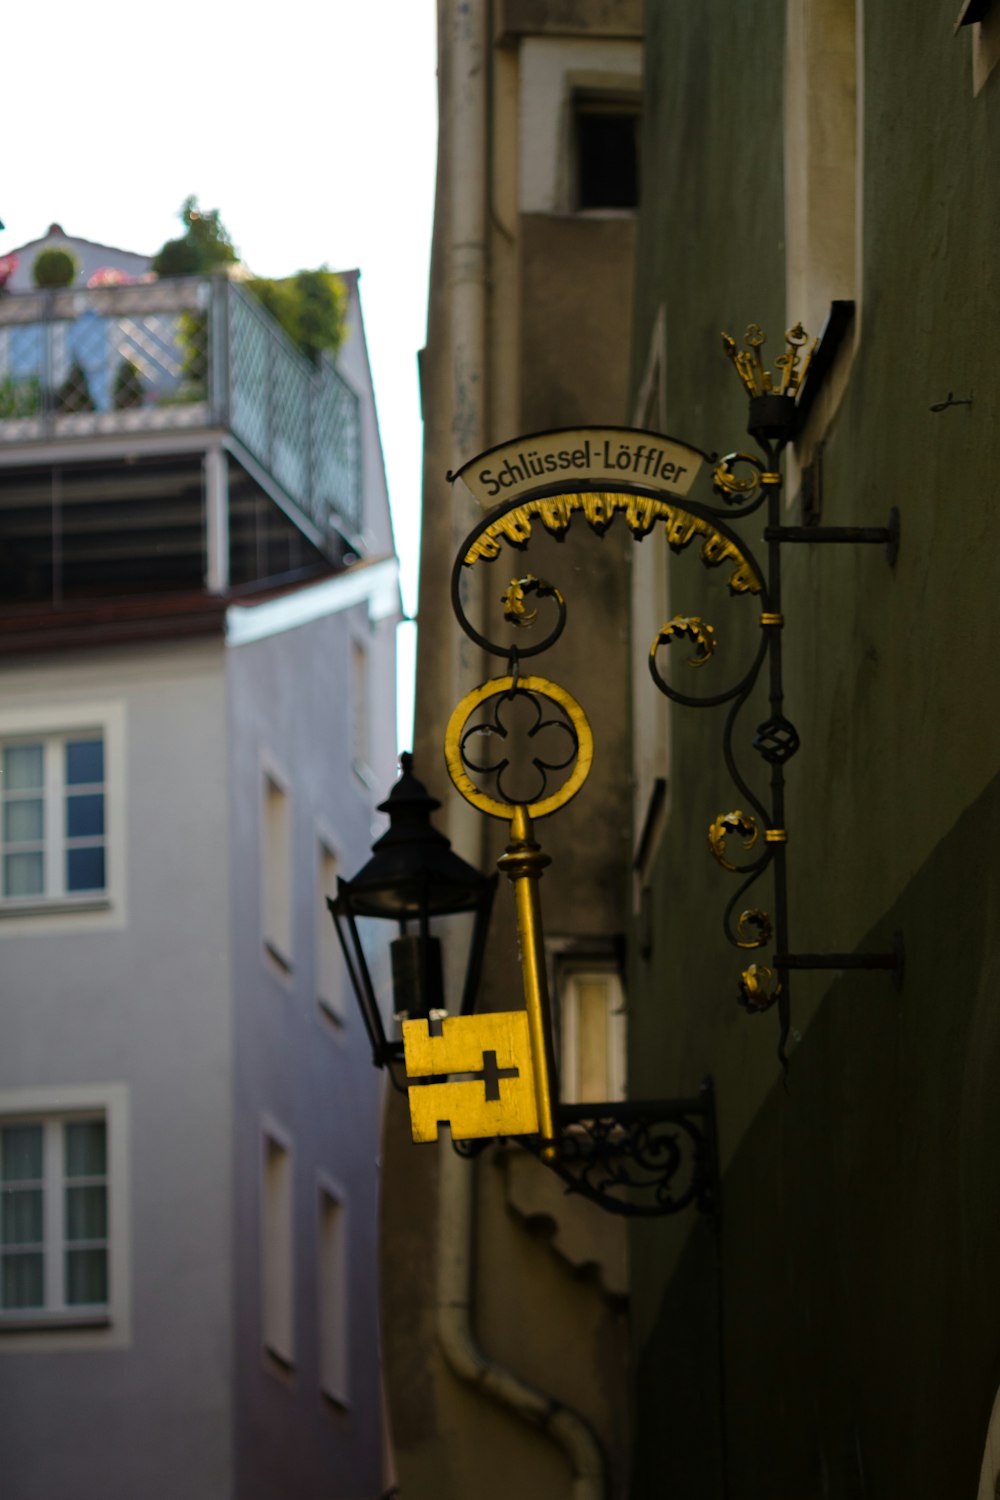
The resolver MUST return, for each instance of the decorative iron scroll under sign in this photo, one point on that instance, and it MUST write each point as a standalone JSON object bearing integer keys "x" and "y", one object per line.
{"x": 580, "y": 457}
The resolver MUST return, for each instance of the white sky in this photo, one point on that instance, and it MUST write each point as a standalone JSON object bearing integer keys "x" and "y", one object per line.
{"x": 311, "y": 126}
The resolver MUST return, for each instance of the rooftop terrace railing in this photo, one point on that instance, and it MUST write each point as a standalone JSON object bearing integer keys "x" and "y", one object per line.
{"x": 184, "y": 353}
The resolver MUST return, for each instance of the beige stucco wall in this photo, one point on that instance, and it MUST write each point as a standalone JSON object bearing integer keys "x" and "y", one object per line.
{"x": 547, "y": 1301}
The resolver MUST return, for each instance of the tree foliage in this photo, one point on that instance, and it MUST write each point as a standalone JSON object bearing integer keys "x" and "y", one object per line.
{"x": 204, "y": 246}
{"x": 310, "y": 306}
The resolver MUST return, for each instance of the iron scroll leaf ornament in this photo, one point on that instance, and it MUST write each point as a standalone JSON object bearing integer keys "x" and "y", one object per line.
{"x": 600, "y": 498}
{"x": 637, "y": 1159}
{"x": 512, "y": 524}
{"x": 548, "y": 479}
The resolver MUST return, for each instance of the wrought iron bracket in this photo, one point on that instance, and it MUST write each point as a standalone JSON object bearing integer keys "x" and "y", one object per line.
{"x": 887, "y": 535}
{"x": 894, "y": 961}
{"x": 636, "y": 1158}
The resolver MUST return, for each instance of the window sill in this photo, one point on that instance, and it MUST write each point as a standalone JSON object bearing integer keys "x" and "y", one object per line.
{"x": 280, "y": 1368}
{"x": 57, "y": 905}
{"x": 42, "y": 1322}
{"x": 336, "y": 1016}
{"x": 278, "y": 958}
{"x": 338, "y": 1404}
{"x": 364, "y": 774}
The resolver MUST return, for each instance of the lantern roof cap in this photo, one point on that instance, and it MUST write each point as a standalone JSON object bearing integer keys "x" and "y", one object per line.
{"x": 413, "y": 867}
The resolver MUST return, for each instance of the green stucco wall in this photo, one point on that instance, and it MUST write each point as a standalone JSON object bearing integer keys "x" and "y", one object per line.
{"x": 860, "y": 1233}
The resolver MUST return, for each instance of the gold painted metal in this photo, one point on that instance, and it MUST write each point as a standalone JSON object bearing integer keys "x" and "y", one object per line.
{"x": 758, "y": 381}
{"x": 515, "y": 611}
{"x": 756, "y": 982}
{"x": 464, "y": 1046}
{"x": 770, "y": 478}
{"x": 744, "y": 824}
{"x": 769, "y": 618}
{"x": 756, "y": 922}
{"x": 776, "y": 835}
{"x": 694, "y": 629}
{"x": 726, "y": 483}
{"x": 523, "y": 864}
{"x": 497, "y": 687}
{"x": 641, "y": 512}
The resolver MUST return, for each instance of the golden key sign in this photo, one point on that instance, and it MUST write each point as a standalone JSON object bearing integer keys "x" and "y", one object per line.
{"x": 495, "y": 1094}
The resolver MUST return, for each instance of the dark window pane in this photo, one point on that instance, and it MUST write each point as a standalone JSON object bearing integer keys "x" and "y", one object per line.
{"x": 84, "y": 762}
{"x": 607, "y": 160}
{"x": 86, "y": 1213}
{"x": 21, "y": 1217}
{"x": 86, "y": 1148}
{"x": 86, "y": 1277}
{"x": 21, "y": 1153}
{"x": 85, "y": 869}
{"x": 22, "y": 1281}
{"x": 85, "y": 815}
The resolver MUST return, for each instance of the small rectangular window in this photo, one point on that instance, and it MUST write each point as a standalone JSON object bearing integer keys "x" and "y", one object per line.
{"x": 329, "y": 959}
{"x": 276, "y": 872}
{"x": 360, "y": 707}
{"x": 277, "y": 1274}
{"x": 333, "y": 1298}
{"x": 53, "y": 831}
{"x": 592, "y": 1034}
{"x": 607, "y": 152}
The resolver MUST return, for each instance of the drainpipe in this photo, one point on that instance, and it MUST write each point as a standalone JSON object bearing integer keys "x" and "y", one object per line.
{"x": 468, "y": 142}
{"x": 467, "y": 1360}
{"x": 468, "y": 147}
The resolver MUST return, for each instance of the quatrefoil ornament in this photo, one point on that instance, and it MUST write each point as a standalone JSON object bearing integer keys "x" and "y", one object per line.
{"x": 567, "y": 724}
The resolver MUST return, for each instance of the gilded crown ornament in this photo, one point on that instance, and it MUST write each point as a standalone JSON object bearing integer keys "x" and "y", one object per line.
{"x": 750, "y": 366}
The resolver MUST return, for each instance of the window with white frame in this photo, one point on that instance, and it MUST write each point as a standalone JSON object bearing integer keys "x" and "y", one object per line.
{"x": 277, "y": 1271}
{"x": 54, "y": 1217}
{"x": 333, "y": 1296}
{"x": 592, "y": 1032}
{"x": 53, "y": 826}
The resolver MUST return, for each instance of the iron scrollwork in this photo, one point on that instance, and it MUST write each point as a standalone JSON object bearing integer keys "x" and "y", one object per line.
{"x": 659, "y": 1157}
{"x": 640, "y": 1160}
{"x": 744, "y": 483}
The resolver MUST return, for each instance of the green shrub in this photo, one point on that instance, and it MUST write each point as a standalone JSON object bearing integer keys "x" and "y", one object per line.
{"x": 20, "y": 398}
{"x": 53, "y": 268}
{"x": 128, "y": 386}
{"x": 74, "y": 393}
{"x": 204, "y": 246}
{"x": 310, "y": 306}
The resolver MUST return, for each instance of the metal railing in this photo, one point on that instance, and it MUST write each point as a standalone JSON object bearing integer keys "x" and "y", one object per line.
{"x": 177, "y": 354}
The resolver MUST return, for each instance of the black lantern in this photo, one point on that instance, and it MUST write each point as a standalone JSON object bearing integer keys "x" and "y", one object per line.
{"x": 412, "y": 877}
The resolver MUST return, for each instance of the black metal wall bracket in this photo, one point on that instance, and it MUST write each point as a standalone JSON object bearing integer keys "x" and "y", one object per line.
{"x": 894, "y": 961}
{"x": 637, "y": 1158}
{"x": 887, "y": 536}
{"x": 775, "y": 411}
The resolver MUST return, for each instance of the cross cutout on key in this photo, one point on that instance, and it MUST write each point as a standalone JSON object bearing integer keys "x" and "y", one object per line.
{"x": 491, "y": 1074}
